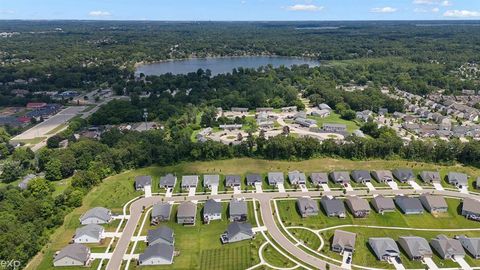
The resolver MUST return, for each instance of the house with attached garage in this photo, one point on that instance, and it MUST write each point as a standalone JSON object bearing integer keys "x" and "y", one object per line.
{"x": 157, "y": 254}
{"x": 91, "y": 233}
{"x": 96, "y": 215}
{"x": 382, "y": 176}
{"x": 72, "y": 255}
{"x": 142, "y": 181}
{"x": 359, "y": 207}
{"x": 361, "y": 176}
{"x": 324, "y": 106}
{"x": 343, "y": 241}
{"x": 383, "y": 204}
{"x": 253, "y": 178}
{"x": 319, "y": 178}
{"x": 384, "y": 248}
{"x": 472, "y": 245}
{"x": 447, "y": 248}
{"x": 471, "y": 209}
{"x": 232, "y": 181}
{"x": 160, "y": 212}
{"x": 434, "y": 204}
{"x": 297, "y": 178}
{"x": 275, "y": 178}
{"x": 417, "y": 248}
{"x": 189, "y": 181}
{"x": 210, "y": 180}
{"x": 404, "y": 175}
{"x": 430, "y": 177}
{"x": 212, "y": 210}
{"x": 333, "y": 207}
{"x": 236, "y": 232}
{"x": 340, "y": 177}
{"x": 162, "y": 235}
{"x": 238, "y": 210}
{"x": 409, "y": 205}
{"x": 307, "y": 206}
{"x": 457, "y": 179}
{"x": 186, "y": 213}
{"x": 334, "y": 128}
{"x": 168, "y": 181}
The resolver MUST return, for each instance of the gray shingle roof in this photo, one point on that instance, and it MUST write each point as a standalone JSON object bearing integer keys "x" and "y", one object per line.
{"x": 161, "y": 210}
{"x": 456, "y": 178}
{"x": 332, "y": 205}
{"x": 275, "y": 178}
{"x": 340, "y": 176}
{"x": 382, "y": 175}
{"x": 305, "y": 204}
{"x": 447, "y": 247}
{"x": 471, "y": 244}
{"x": 433, "y": 201}
{"x": 212, "y": 207}
{"x": 471, "y": 205}
{"x": 357, "y": 204}
{"x": 211, "y": 180}
{"x": 143, "y": 180}
{"x": 319, "y": 178}
{"x": 238, "y": 207}
{"x": 361, "y": 176}
{"x": 163, "y": 233}
{"x": 235, "y": 228}
{"x": 189, "y": 180}
{"x": 408, "y": 204}
{"x": 382, "y": 203}
{"x": 384, "y": 246}
{"x": 296, "y": 177}
{"x": 92, "y": 230}
{"x": 161, "y": 250}
{"x": 415, "y": 246}
{"x": 97, "y": 212}
{"x": 187, "y": 209}
{"x": 430, "y": 176}
{"x": 253, "y": 178}
{"x": 168, "y": 180}
{"x": 344, "y": 239}
{"x": 77, "y": 252}
{"x": 404, "y": 175}
{"x": 233, "y": 180}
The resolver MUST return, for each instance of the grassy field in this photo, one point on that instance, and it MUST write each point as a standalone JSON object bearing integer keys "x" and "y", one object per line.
{"x": 450, "y": 220}
{"x": 57, "y": 128}
{"x": 274, "y": 258}
{"x": 115, "y": 191}
{"x": 199, "y": 246}
{"x": 31, "y": 141}
{"x": 309, "y": 238}
{"x": 334, "y": 118}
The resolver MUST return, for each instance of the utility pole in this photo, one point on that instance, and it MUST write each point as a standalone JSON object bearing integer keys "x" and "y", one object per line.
{"x": 145, "y": 116}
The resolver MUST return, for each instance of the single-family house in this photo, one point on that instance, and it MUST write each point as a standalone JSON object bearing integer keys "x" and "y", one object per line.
{"x": 404, "y": 175}
{"x": 157, "y": 254}
{"x": 212, "y": 210}
{"x": 471, "y": 209}
{"x": 343, "y": 241}
{"x": 275, "y": 178}
{"x": 321, "y": 113}
{"x": 361, "y": 176}
{"x": 96, "y": 215}
{"x": 142, "y": 181}
{"x": 236, "y": 232}
{"x": 91, "y": 233}
{"x": 163, "y": 235}
{"x": 319, "y": 178}
{"x": 186, "y": 213}
{"x": 324, "y": 106}
{"x": 434, "y": 204}
{"x": 72, "y": 255}
{"x": 160, "y": 212}
{"x": 307, "y": 207}
{"x": 447, "y": 248}
{"x": 382, "y": 176}
{"x": 334, "y": 128}
{"x": 359, "y": 207}
{"x": 168, "y": 181}
{"x": 409, "y": 205}
{"x": 333, "y": 207}
{"x": 297, "y": 178}
{"x": 340, "y": 177}
{"x": 383, "y": 204}
{"x": 430, "y": 177}
{"x": 210, "y": 180}
{"x": 471, "y": 244}
{"x": 24, "y": 183}
{"x": 384, "y": 248}
{"x": 238, "y": 210}
{"x": 239, "y": 110}
{"x": 253, "y": 178}
{"x": 232, "y": 181}
{"x": 457, "y": 179}
{"x": 189, "y": 181}
{"x": 416, "y": 248}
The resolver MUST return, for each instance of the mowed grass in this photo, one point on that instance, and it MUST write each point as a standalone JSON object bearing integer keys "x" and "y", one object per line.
{"x": 335, "y": 118}
{"x": 450, "y": 220}
{"x": 199, "y": 246}
{"x": 274, "y": 258}
{"x": 310, "y": 239}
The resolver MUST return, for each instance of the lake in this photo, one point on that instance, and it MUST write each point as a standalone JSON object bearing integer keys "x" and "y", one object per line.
{"x": 221, "y": 65}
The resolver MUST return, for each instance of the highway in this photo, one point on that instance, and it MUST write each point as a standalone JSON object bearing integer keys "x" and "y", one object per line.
{"x": 267, "y": 215}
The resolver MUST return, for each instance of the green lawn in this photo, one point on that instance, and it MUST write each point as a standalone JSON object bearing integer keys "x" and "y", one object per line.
{"x": 57, "y": 128}
{"x": 335, "y": 119}
{"x": 274, "y": 258}
{"x": 308, "y": 238}
{"x": 31, "y": 141}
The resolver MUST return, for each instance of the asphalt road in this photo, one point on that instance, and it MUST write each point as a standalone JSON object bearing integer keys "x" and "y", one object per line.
{"x": 267, "y": 216}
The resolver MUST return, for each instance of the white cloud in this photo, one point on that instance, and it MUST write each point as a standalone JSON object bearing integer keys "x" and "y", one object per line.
{"x": 6, "y": 11}
{"x": 425, "y": 2}
{"x": 461, "y": 13}
{"x": 435, "y": 10}
{"x": 383, "y": 10}
{"x": 99, "y": 13}
{"x": 301, "y": 7}
{"x": 446, "y": 3}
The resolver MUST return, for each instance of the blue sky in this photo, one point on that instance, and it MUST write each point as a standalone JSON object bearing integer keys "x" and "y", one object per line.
{"x": 240, "y": 9}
